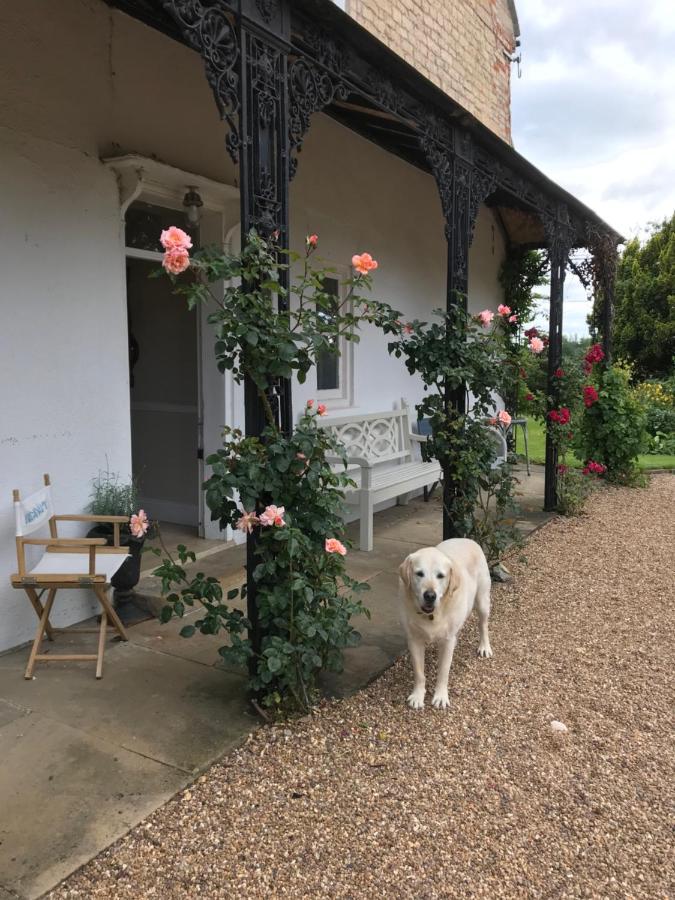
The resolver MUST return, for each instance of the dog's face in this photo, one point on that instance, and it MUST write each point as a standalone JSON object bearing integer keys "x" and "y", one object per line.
{"x": 428, "y": 576}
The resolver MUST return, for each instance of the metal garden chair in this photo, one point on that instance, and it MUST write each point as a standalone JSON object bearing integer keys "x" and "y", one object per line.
{"x": 66, "y": 563}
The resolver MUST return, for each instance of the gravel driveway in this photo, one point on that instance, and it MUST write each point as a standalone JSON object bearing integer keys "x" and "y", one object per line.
{"x": 370, "y": 799}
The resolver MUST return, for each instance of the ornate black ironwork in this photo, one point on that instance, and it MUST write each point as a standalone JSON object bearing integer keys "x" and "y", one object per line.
{"x": 598, "y": 275}
{"x": 310, "y": 89}
{"x": 211, "y": 31}
{"x": 267, "y": 9}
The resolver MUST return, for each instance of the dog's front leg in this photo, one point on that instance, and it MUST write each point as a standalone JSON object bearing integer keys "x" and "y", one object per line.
{"x": 416, "y": 647}
{"x": 447, "y": 648}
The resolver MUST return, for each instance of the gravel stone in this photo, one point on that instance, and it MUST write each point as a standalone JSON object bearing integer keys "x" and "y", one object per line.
{"x": 367, "y": 798}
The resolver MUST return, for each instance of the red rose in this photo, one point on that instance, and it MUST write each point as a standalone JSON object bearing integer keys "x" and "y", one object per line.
{"x": 529, "y": 396}
{"x": 590, "y": 395}
{"x": 559, "y": 373}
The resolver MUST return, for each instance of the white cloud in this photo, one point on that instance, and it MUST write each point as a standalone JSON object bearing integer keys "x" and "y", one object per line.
{"x": 595, "y": 110}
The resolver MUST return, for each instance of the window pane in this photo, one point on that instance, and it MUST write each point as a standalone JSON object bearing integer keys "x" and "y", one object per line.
{"x": 144, "y": 223}
{"x": 327, "y": 363}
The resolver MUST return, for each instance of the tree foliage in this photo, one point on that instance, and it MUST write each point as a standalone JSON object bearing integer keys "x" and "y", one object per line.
{"x": 644, "y": 322}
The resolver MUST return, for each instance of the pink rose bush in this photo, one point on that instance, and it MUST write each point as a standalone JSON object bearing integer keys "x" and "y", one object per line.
{"x": 278, "y": 487}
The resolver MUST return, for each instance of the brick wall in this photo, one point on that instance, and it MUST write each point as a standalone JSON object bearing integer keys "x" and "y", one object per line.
{"x": 460, "y": 45}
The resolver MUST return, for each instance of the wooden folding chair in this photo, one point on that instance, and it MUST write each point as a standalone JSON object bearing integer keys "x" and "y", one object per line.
{"x": 66, "y": 563}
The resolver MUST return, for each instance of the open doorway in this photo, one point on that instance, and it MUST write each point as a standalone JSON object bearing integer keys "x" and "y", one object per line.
{"x": 164, "y": 379}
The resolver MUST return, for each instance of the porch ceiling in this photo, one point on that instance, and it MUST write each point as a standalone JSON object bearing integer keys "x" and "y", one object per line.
{"x": 393, "y": 132}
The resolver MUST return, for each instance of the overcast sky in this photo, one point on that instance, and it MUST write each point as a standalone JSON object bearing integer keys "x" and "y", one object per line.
{"x": 595, "y": 110}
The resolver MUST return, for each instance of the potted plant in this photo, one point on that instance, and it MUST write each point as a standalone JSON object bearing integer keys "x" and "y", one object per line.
{"x": 110, "y": 496}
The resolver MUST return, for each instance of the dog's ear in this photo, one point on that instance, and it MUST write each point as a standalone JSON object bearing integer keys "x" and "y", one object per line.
{"x": 453, "y": 581}
{"x": 405, "y": 571}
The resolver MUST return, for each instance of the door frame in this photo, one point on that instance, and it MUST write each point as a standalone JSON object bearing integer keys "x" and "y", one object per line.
{"x": 149, "y": 181}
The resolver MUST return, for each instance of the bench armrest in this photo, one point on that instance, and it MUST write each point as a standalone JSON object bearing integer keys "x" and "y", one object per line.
{"x": 351, "y": 460}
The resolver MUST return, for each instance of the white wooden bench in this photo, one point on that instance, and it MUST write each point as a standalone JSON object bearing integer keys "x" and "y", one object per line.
{"x": 380, "y": 445}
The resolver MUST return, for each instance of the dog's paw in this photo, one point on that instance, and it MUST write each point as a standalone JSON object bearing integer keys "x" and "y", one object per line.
{"x": 416, "y": 700}
{"x": 485, "y": 650}
{"x": 441, "y": 700}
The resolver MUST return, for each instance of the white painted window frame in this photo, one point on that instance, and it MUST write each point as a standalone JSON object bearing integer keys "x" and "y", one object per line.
{"x": 341, "y": 397}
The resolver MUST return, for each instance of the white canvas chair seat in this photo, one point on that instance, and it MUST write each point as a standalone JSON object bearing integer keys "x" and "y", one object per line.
{"x": 65, "y": 563}
{"x": 78, "y": 564}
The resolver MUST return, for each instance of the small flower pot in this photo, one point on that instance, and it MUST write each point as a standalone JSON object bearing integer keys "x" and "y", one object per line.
{"x": 128, "y": 575}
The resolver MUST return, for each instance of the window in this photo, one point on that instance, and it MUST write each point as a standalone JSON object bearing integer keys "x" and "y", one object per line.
{"x": 144, "y": 222}
{"x": 333, "y": 365}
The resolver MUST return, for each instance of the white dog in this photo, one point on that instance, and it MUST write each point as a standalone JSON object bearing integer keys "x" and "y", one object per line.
{"x": 438, "y": 589}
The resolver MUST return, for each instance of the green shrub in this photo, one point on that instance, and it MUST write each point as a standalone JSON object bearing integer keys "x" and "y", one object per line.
{"x": 612, "y": 428}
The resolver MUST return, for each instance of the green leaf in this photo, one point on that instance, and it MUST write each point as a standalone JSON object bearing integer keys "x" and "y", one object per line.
{"x": 187, "y": 631}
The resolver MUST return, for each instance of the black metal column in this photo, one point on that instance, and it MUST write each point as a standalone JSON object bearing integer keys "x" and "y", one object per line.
{"x": 458, "y": 235}
{"x": 607, "y": 265}
{"x": 559, "y": 240}
{"x": 245, "y": 45}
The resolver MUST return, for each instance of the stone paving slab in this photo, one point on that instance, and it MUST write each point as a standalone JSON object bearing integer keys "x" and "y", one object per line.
{"x": 65, "y": 795}
{"x": 178, "y": 712}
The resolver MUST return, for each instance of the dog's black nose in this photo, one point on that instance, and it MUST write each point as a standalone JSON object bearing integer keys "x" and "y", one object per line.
{"x": 429, "y": 596}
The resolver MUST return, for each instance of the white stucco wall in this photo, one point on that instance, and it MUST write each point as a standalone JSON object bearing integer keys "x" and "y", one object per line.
{"x": 76, "y": 84}
{"x": 88, "y": 83}
{"x": 63, "y": 363}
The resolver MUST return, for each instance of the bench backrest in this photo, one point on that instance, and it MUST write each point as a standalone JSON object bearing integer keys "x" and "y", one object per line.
{"x": 377, "y": 437}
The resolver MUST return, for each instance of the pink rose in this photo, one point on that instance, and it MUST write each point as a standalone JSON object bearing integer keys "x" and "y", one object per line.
{"x": 273, "y": 515}
{"x": 312, "y": 240}
{"x": 407, "y": 328}
{"x": 363, "y": 263}
{"x": 335, "y": 546}
{"x": 504, "y": 310}
{"x": 321, "y": 409}
{"x": 492, "y": 421}
{"x": 176, "y": 261}
{"x": 310, "y": 404}
{"x": 536, "y": 345}
{"x": 486, "y": 316}
{"x": 175, "y": 239}
{"x": 247, "y": 522}
{"x": 504, "y": 418}
{"x": 513, "y": 319}
{"x": 139, "y": 524}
